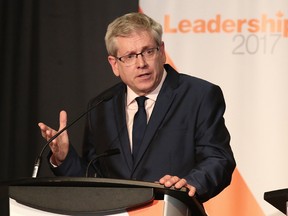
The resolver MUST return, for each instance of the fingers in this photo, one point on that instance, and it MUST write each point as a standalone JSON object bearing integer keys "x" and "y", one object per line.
{"x": 46, "y": 131}
{"x": 175, "y": 181}
{"x": 169, "y": 181}
{"x": 62, "y": 119}
{"x": 164, "y": 179}
{"x": 192, "y": 190}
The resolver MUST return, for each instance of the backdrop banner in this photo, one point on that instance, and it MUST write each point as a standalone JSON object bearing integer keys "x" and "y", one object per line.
{"x": 242, "y": 46}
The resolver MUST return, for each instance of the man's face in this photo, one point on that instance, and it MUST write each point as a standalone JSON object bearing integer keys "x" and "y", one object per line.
{"x": 145, "y": 75}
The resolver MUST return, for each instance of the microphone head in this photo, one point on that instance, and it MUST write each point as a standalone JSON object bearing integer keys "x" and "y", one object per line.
{"x": 107, "y": 153}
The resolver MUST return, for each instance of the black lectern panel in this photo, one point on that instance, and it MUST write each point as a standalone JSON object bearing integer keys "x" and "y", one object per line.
{"x": 95, "y": 200}
{"x": 277, "y": 198}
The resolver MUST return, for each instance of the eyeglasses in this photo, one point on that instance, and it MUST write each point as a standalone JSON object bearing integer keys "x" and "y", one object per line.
{"x": 130, "y": 59}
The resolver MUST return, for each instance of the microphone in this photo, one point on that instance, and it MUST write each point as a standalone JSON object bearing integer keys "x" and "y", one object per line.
{"x": 108, "y": 95}
{"x": 109, "y": 152}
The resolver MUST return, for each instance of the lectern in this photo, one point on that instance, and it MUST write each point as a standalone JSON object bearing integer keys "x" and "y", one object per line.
{"x": 279, "y": 199}
{"x": 95, "y": 196}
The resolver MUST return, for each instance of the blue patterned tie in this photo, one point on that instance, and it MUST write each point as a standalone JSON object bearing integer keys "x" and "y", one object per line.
{"x": 139, "y": 125}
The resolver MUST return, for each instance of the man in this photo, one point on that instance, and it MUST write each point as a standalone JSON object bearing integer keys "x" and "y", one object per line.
{"x": 185, "y": 142}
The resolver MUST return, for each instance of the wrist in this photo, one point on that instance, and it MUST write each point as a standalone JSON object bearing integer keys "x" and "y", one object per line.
{"x": 54, "y": 161}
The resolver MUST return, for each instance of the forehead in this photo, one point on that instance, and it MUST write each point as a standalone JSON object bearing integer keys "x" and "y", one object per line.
{"x": 135, "y": 42}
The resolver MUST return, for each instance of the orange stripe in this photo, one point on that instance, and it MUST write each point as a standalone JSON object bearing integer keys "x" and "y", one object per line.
{"x": 236, "y": 200}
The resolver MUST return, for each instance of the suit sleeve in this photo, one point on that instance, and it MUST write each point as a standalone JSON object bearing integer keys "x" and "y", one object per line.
{"x": 214, "y": 157}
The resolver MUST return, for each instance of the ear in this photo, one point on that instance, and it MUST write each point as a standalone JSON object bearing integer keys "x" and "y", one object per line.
{"x": 114, "y": 65}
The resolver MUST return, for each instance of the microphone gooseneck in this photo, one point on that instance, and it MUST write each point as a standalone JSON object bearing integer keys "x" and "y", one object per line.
{"x": 38, "y": 160}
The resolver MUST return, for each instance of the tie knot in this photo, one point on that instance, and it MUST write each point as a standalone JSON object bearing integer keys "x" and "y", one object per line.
{"x": 141, "y": 101}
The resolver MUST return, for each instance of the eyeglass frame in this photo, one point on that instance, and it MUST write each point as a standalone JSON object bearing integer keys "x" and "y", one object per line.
{"x": 137, "y": 54}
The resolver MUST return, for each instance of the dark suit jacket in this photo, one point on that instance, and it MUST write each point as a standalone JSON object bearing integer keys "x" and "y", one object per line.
{"x": 186, "y": 136}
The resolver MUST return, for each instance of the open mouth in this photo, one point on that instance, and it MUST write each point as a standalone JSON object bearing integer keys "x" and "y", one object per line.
{"x": 145, "y": 75}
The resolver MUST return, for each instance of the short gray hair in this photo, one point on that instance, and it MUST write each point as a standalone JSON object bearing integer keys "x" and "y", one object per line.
{"x": 127, "y": 24}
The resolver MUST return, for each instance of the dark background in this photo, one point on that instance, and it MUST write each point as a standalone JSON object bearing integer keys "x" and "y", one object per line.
{"x": 52, "y": 57}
